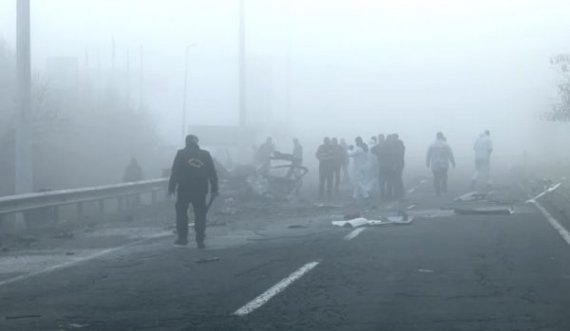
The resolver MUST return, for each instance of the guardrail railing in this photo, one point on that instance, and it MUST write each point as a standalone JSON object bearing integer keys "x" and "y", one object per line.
{"x": 22, "y": 203}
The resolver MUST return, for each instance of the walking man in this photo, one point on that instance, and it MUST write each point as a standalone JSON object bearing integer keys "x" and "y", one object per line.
{"x": 193, "y": 176}
{"x": 439, "y": 156}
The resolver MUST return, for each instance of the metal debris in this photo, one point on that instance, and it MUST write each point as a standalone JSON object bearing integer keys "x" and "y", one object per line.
{"x": 208, "y": 260}
{"x": 296, "y": 226}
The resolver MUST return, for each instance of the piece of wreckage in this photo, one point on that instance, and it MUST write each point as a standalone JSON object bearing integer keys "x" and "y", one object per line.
{"x": 390, "y": 218}
{"x": 481, "y": 203}
{"x": 282, "y": 177}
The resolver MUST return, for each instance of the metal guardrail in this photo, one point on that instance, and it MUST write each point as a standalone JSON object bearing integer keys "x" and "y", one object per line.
{"x": 25, "y": 202}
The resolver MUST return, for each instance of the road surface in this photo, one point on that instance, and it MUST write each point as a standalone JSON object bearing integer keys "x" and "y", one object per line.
{"x": 442, "y": 272}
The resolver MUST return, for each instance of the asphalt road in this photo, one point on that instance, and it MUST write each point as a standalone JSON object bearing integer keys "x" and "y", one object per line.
{"x": 442, "y": 272}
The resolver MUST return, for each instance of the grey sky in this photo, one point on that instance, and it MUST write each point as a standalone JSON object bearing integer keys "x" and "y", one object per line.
{"x": 386, "y": 61}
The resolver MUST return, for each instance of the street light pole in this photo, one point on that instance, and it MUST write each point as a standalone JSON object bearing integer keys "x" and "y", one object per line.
{"x": 185, "y": 95}
{"x": 242, "y": 68}
{"x": 23, "y": 142}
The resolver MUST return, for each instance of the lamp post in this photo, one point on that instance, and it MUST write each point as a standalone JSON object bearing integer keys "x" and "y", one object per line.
{"x": 185, "y": 94}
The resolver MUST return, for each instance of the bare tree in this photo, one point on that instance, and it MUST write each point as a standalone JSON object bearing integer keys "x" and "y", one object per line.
{"x": 561, "y": 111}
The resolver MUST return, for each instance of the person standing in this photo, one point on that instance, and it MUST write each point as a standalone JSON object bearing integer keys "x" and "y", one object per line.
{"x": 439, "y": 156}
{"x": 264, "y": 154}
{"x": 297, "y": 152}
{"x": 133, "y": 172}
{"x": 483, "y": 148}
{"x": 325, "y": 155}
{"x": 345, "y": 160}
{"x": 382, "y": 160}
{"x": 338, "y": 159}
{"x": 399, "y": 164}
{"x": 359, "y": 155}
{"x": 193, "y": 176}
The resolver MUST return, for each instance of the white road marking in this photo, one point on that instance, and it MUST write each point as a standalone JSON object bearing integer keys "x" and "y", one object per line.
{"x": 555, "y": 224}
{"x": 79, "y": 260}
{"x": 354, "y": 233}
{"x": 274, "y": 290}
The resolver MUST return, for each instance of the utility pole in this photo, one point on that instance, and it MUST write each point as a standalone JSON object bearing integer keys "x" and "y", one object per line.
{"x": 23, "y": 162}
{"x": 185, "y": 93}
{"x": 128, "y": 79}
{"x": 242, "y": 68}
{"x": 141, "y": 85}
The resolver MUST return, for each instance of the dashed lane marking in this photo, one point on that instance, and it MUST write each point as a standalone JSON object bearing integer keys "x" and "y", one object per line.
{"x": 75, "y": 261}
{"x": 354, "y": 233}
{"x": 275, "y": 289}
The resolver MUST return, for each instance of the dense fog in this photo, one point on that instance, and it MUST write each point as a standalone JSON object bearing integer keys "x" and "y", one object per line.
{"x": 108, "y": 78}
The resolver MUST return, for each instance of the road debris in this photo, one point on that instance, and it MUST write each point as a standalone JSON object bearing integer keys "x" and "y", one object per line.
{"x": 472, "y": 196}
{"x": 398, "y": 217}
{"x": 296, "y": 226}
{"x": 208, "y": 260}
{"x": 425, "y": 270}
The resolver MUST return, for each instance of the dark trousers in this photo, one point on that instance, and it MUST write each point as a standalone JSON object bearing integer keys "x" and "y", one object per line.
{"x": 395, "y": 184}
{"x": 326, "y": 176}
{"x": 383, "y": 176}
{"x": 440, "y": 180}
{"x": 336, "y": 179}
{"x": 198, "y": 201}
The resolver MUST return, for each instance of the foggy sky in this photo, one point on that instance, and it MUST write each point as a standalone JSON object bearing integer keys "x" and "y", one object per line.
{"x": 367, "y": 66}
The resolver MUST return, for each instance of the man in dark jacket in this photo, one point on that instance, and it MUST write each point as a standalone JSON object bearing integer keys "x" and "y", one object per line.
{"x": 325, "y": 154}
{"x": 193, "y": 169}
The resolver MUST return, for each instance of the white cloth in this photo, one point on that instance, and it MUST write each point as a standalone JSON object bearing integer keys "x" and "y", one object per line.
{"x": 360, "y": 173}
{"x": 483, "y": 147}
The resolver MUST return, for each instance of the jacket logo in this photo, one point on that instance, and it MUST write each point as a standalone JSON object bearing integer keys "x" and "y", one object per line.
{"x": 196, "y": 163}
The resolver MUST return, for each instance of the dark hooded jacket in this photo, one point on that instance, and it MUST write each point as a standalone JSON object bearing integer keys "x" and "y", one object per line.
{"x": 192, "y": 170}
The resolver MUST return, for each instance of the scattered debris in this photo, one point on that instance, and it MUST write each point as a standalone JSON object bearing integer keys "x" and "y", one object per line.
{"x": 69, "y": 253}
{"x": 77, "y": 326}
{"x": 398, "y": 217}
{"x": 296, "y": 226}
{"x": 410, "y": 207}
{"x": 354, "y": 223}
{"x": 208, "y": 260}
{"x": 425, "y": 270}
{"x": 472, "y": 196}
{"x": 550, "y": 188}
